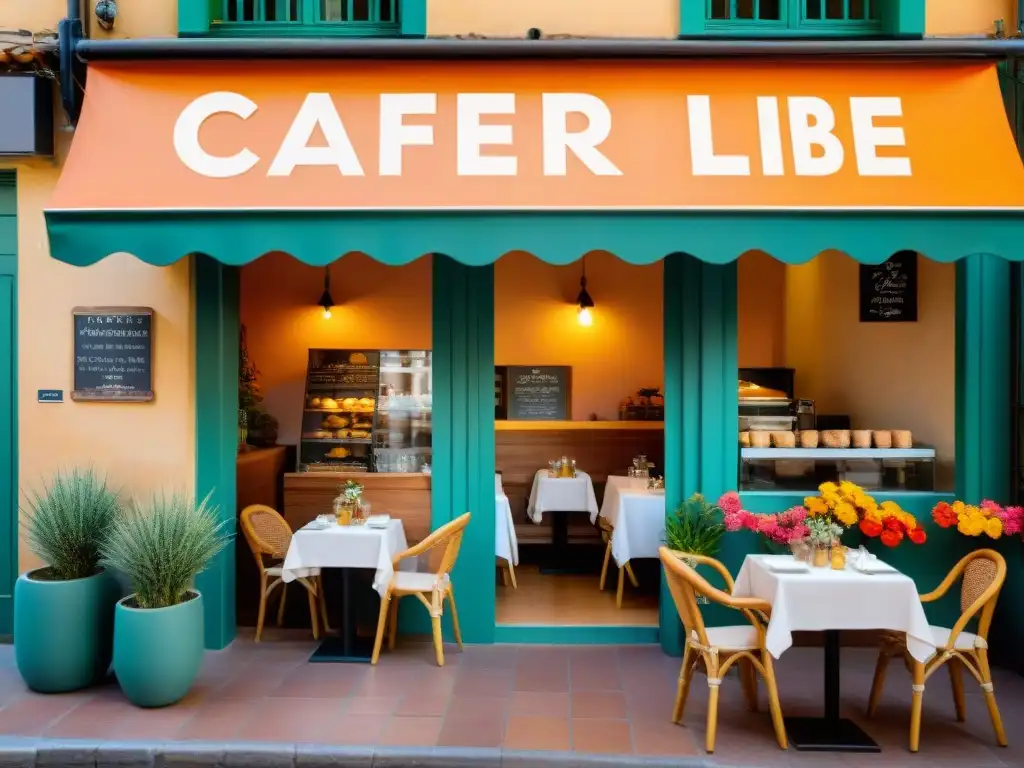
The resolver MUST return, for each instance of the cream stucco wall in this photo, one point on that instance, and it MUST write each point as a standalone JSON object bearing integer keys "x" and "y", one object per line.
{"x": 142, "y": 447}
{"x": 581, "y": 18}
{"x": 969, "y": 17}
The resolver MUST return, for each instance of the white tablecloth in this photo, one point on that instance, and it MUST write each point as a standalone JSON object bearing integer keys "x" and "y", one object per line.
{"x": 637, "y": 515}
{"x": 826, "y": 599}
{"x": 506, "y": 545}
{"x": 346, "y": 546}
{"x": 562, "y": 494}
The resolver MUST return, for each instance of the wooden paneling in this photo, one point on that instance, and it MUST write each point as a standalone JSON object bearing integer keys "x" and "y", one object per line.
{"x": 601, "y": 450}
{"x": 405, "y": 496}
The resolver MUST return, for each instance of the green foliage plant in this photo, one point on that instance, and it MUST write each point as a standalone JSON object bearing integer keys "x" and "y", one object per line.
{"x": 162, "y": 545}
{"x": 67, "y": 523}
{"x": 695, "y": 527}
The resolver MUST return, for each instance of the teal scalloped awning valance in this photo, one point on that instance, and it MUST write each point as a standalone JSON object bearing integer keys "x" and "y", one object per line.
{"x": 317, "y": 238}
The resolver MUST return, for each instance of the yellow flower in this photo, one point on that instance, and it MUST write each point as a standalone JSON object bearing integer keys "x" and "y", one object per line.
{"x": 815, "y": 506}
{"x": 963, "y": 527}
{"x": 826, "y": 489}
{"x": 994, "y": 527}
{"x": 959, "y": 507}
{"x": 873, "y": 514}
{"x": 830, "y": 499}
{"x": 976, "y": 526}
{"x": 846, "y": 488}
{"x": 846, "y": 514}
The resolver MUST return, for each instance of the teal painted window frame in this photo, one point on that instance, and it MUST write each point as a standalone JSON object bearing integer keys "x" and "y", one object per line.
{"x": 199, "y": 18}
{"x": 899, "y": 19}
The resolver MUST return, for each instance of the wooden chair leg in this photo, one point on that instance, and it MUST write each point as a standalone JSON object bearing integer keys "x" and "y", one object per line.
{"x": 618, "y": 590}
{"x": 632, "y": 576}
{"x": 280, "y": 608}
{"x": 435, "y": 627}
{"x": 956, "y": 679}
{"x": 393, "y": 622}
{"x": 773, "y": 700}
{"x": 878, "y": 683}
{"x": 916, "y": 703}
{"x": 261, "y": 616}
{"x": 504, "y": 576}
{"x": 604, "y": 566}
{"x": 314, "y": 609}
{"x": 382, "y": 619}
{"x": 990, "y": 696}
{"x": 455, "y": 616}
{"x": 713, "y": 686}
{"x": 683, "y": 687}
{"x": 512, "y": 574}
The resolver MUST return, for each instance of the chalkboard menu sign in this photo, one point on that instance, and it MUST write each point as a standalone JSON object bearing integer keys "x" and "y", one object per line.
{"x": 538, "y": 392}
{"x": 113, "y": 348}
{"x": 888, "y": 291}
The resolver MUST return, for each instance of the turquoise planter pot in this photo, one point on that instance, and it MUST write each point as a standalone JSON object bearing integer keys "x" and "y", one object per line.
{"x": 157, "y": 652}
{"x": 63, "y": 631}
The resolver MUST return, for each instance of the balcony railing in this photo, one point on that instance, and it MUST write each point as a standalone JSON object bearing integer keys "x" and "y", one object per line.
{"x": 782, "y": 16}
{"x": 308, "y": 17}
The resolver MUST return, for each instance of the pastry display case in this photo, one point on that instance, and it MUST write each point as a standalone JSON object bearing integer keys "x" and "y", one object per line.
{"x": 339, "y": 410}
{"x": 366, "y": 411}
{"x": 804, "y": 469}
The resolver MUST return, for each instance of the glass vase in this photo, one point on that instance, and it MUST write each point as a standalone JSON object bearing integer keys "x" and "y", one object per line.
{"x": 821, "y": 557}
{"x": 838, "y": 557}
{"x": 343, "y": 510}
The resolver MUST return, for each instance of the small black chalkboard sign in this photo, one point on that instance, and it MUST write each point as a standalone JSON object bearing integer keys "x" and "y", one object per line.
{"x": 113, "y": 354}
{"x": 538, "y": 392}
{"x": 888, "y": 291}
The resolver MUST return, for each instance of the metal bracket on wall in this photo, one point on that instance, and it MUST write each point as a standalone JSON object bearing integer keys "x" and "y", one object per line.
{"x": 72, "y": 68}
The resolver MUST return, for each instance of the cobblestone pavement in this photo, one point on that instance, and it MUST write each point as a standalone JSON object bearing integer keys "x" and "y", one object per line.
{"x": 490, "y": 701}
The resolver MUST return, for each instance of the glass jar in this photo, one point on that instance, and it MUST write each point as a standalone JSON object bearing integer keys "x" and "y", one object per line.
{"x": 343, "y": 509}
{"x": 821, "y": 557}
{"x": 838, "y": 557}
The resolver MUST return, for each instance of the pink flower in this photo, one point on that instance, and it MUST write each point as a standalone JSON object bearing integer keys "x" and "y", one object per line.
{"x": 767, "y": 525}
{"x": 1013, "y": 520}
{"x": 992, "y": 507}
{"x": 733, "y": 522}
{"x": 749, "y": 520}
{"x": 729, "y": 503}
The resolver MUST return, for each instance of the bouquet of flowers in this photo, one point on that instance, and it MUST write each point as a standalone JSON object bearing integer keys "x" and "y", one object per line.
{"x": 891, "y": 524}
{"x": 823, "y": 532}
{"x": 352, "y": 492}
{"x": 780, "y": 528}
{"x": 988, "y": 518}
{"x": 842, "y": 503}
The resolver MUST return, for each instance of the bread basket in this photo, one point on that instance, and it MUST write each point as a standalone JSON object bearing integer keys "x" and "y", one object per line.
{"x": 836, "y": 438}
{"x": 783, "y": 439}
{"x": 809, "y": 438}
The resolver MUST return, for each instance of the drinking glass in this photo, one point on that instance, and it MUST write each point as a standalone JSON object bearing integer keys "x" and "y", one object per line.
{"x": 364, "y": 511}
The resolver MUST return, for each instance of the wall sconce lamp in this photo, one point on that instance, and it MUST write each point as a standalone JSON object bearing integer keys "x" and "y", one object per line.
{"x": 326, "y": 300}
{"x": 583, "y": 301}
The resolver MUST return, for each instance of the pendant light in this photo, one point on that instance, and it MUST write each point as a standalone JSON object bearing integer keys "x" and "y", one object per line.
{"x": 326, "y": 301}
{"x": 583, "y": 301}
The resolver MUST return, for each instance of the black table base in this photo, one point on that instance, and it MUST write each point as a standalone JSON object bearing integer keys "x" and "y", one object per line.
{"x": 347, "y": 648}
{"x": 830, "y": 733}
{"x": 559, "y": 561}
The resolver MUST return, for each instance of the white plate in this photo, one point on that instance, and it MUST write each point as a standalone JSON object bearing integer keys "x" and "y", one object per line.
{"x": 785, "y": 564}
{"x": 875, "y": 567}
{"x": 316, "y": 525}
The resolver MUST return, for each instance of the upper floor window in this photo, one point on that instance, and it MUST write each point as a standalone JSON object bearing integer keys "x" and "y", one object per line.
{"x": 361, "y": 18}
{"x": 787, "y": 17}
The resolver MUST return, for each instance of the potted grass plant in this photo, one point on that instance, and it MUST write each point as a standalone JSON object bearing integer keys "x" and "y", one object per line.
{"x": 694, "y": 528}
{"x": 64, "y": 611}
{"x": 158, "y": 630}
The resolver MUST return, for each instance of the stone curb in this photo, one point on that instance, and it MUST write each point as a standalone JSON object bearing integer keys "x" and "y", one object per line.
{"x": 17, "y": 752}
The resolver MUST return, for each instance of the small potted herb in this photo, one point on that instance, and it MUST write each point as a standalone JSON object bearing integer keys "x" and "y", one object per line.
{"x": 64, "y": 611}
{"x": 694, "y": 529}
{"x": 158, "y": 630}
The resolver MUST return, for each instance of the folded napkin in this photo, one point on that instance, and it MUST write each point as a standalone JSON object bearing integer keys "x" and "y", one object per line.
{"x": 785, "y": 564}
{"x": 866, "y": 562}
{"x": 378, "y": 521}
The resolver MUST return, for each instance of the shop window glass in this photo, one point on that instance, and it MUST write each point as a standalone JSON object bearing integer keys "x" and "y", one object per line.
{"x": 811, "y": 16}
{"x": 359, "y": 17}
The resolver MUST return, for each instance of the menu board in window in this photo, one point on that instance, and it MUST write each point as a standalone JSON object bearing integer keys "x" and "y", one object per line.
{"x": 113, "y": 354}
{"x": 888, "y": 291}
{"x": 538, "y": 392}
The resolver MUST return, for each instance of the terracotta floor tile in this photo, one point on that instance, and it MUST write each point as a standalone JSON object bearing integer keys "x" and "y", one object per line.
{"x": 602, "y": 736}
{"x": 489, "y": 707}
{"x": 164, "y": 723}
{"x": 595, "y": 679}
{"x": 473, "y": 683}
{"x": 32, "y": 714}
{"x": 472, "y": 732}
{"x": 100, "y": 717}
{"x": 662, "y": 737}
{"x": 371, "y": 705}
{"x": 315, "y": 681}
{"x": 609, "y": 705}
{"x": 219, "y": 721}
{"x": 412, "y": 731}
{"x": 296, "y": 719}
{"x": 537, "y": 733}
{"x": 537, "y": 680}
{"x": 539, "y": 704}
{"x": 356, "y": 730}
{"x": 415, "y": 705}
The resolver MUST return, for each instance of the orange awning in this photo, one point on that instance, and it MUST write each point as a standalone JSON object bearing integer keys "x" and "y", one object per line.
{"x": 534, "y": 136}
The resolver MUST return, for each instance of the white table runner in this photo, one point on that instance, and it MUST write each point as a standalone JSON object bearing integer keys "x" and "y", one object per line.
{"x": 562, "y": 494}
{"x": 825, "y": 599}
{"x": 637, "y": 515}
{"x": 346, "y": 546}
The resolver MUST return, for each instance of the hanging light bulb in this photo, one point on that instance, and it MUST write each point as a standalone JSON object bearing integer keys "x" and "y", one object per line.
{"x": 585, "y": 303}
{"x": 326, "y": 301}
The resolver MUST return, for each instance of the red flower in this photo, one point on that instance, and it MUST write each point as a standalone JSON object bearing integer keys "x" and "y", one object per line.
{"x": 891, "y": 538}
{"x": 894, "y": 525}
{"x": 944, "y": 515}
{"x": 917, "y": 536}
{"x": 870, "y": 528}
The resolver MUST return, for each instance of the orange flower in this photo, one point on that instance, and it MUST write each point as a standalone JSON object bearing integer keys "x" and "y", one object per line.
{"x": 870, "y": 528}
{"x": 945, "y": 515}
{"x": 891, "y": 538}
{"x": 917, "y": 536}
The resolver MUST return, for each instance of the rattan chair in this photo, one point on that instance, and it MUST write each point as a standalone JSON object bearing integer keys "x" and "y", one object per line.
{"x": 606, "y": 535}
{"x": 713, "y": 650}
{"x": 982, "y": 574}
{"x": 269, "y": 535}
{"x": 508, "y": 572}
{"x": 435, "y": 585}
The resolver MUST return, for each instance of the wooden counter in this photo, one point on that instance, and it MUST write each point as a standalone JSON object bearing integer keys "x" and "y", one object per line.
{"x": 600, "y": 448}
{"x": 404, "y": 495}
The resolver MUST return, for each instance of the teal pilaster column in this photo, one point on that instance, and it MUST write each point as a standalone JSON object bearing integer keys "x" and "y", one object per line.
{"x": 983, "y": 378}
{"x": 216, "y": 293}
{"x": 412, "y": 15}
{"x": 701, "y": 449}
{"x": 463, "y": 438}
